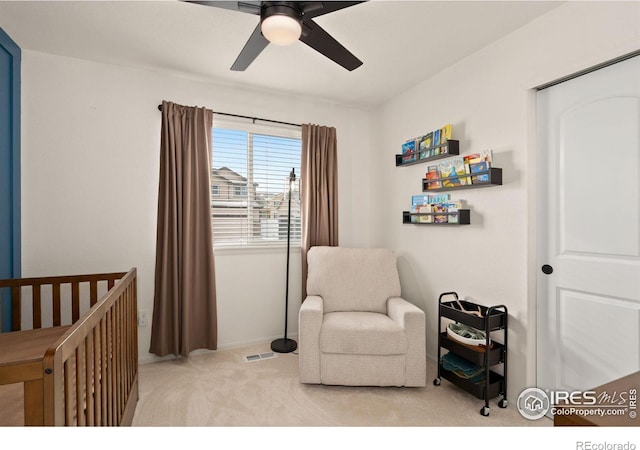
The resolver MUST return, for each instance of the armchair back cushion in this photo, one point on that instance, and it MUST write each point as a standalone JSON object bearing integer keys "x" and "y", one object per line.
{"x": 353, "y": 279}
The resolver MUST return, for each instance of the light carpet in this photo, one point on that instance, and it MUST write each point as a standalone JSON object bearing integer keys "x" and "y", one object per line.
{"x": 221, "y": 389}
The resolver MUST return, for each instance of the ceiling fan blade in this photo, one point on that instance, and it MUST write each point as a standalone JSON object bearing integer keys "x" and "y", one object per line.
{"x": 317, "y": 38}
{"x": 249, "y": 7}
{"x": 312, "y": 9}
{"x": 254, "y": 46}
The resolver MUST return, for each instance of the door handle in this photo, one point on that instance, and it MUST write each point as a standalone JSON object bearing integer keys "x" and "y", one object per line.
{"x": 547, "y": 269}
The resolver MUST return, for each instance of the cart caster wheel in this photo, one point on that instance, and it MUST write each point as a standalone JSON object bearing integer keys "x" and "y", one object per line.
{"x": 436, "y": 382}
{"x": 503, "y": 403}
{"x": 484, "y": 411}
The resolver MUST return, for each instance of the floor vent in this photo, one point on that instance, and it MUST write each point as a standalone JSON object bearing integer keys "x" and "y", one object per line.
{"x": 259, "y": 357}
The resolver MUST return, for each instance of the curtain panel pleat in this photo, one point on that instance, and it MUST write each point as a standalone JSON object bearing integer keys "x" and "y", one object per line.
{"x": 319, "y": 191}
{"x": 184, "y": 311}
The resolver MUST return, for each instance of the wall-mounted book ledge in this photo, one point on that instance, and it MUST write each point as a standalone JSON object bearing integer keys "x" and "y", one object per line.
{"x": 435, "y": 152}
{"x": 491, "y": 177}
{"x": 459, "y": 217}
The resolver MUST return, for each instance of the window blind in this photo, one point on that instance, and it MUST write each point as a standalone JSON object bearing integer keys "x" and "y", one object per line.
{"x": 250, "y": 172}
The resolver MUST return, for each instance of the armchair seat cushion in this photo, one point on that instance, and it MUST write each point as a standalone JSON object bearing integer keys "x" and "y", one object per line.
{"x": 361, "y": 333}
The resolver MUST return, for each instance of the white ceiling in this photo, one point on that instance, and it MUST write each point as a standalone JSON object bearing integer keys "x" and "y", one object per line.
{"x": 400, "y": 42}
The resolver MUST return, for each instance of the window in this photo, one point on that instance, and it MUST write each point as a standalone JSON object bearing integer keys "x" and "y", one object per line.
{"x": 215, "y": 190}
{"x": 250, "y": 168}
{"x": 239, "y": 191}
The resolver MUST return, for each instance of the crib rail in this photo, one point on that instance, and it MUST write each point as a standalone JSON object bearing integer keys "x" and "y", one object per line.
{"x": 53, "y": 298}
{"x": 91, "y": 372}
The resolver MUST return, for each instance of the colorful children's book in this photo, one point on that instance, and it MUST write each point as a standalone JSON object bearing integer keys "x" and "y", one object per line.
{"x": 440, "y": 213}
{"x": 426, "y": 210}
{"x": 480, "y": 178}
{"x": 436, "y": 143}
{"x": 484, "y": 156}
{"x": 452, "y": 208}
{"x": 481, "y": 166}
{"x": 409, "y": 151}
{"x": 461, "y": 169}
{"x": 433, "y": 174}
{"x": 450, "y": 169}
{"x": 445, "y": 133}
{"x": 421, "y": 199}
{"x": 426, "y": 142}
{"x": 448, "y": 173}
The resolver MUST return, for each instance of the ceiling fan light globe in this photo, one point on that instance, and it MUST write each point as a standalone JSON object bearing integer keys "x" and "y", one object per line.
{"x": 281, "y": 30}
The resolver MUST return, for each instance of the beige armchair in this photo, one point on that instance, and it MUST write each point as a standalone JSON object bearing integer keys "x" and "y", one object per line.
{"x": 354, "y": 329}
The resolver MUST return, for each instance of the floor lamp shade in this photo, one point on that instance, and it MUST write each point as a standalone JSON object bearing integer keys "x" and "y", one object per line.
{"x": 286, "y": 345}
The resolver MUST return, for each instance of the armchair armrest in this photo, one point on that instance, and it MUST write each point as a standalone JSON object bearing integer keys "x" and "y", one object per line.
{"x": 309, "y": 323}
{"x": 407, "y": 315}
{"x": 412, "y": 320}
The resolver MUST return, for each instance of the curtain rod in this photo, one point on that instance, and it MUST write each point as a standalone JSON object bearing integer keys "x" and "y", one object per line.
{"x": 252, "y": 118}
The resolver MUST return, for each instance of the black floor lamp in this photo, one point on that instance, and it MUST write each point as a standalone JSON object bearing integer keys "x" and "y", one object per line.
{"x": 286, "y": 345}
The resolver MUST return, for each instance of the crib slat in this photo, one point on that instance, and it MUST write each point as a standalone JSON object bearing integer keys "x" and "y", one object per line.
{"x": 55, "y": 287}
{"x": 16, "y": 309}
{"x": 111, "y": 377}
{"x": 80, "y": 387}
{"x": 97, "y": 392}
{"x": 103, "y": 372}
{"x": 130, "y": 318}
{"x": 69, "y": 401}
{"x": 93, "y": 292}
{"x": 37, "y": 306}
{"x": 121, "y": 368}
{"x": 75, "y": 302}
{"x": 89, "y": 370}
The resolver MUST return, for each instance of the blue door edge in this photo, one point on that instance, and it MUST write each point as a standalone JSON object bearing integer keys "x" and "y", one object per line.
{"x": 16, "y": 248}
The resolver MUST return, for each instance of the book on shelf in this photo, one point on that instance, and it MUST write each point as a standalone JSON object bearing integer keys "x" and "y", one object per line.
{"x": 445, "y": 133}
{"x": 452, "y": 211}
{"x": 428, "y": 199}
{"x": 452, "y": 172}
{"x": 436, "y": 143}
{"x": 424, "y": 209}
{"x": 425, "y": 144}
{"x": 479, "y": 165}
{"x": 421, "y": 199}
{"x": 434, "y": 208}
{"x": 412, "y": 211}
{"x": 474, "y": 158}
{"x": 430, "y": 144}
{"x": 480, "y": 178}
{"x": 433, "y": 173}
{"x": 409, "y": 151}
{"x": 440, "y": 211}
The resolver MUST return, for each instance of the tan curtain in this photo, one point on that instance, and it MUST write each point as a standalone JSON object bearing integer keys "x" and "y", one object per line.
{"x": 184, "y": 303}
{"x": 319, "y": 196}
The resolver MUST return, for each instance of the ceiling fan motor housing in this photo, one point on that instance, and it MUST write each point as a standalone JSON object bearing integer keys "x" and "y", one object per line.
{"x": 289, "y": 9}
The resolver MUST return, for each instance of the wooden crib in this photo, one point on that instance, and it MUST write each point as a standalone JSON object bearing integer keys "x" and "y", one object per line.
{"x": 74, "y": 345}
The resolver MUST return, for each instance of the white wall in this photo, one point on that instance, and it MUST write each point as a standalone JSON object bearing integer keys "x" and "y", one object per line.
{"x": 90, "y": 152}
{"x": 489, "y": 100}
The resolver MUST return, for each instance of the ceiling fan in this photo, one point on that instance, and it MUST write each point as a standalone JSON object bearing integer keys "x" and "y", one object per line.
{"x": 283, "y": 23}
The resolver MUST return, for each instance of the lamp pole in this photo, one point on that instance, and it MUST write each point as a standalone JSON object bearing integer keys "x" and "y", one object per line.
{"x": 286, "y": 345}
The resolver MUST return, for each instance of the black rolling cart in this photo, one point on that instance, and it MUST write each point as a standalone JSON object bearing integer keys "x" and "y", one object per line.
{"x": 483, "y": 318}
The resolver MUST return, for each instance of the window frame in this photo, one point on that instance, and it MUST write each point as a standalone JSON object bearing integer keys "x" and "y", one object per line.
{"x": 276, "y": 130}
